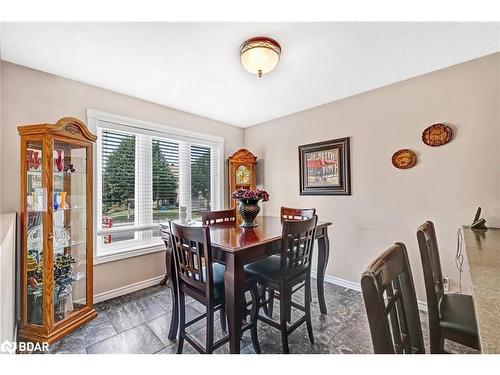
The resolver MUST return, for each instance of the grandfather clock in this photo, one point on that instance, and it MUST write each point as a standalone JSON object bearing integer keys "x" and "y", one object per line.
{"x": 242, "y": 166}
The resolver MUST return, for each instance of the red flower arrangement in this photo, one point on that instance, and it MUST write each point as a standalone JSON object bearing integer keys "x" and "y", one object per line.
{"x": 248, "y": 196}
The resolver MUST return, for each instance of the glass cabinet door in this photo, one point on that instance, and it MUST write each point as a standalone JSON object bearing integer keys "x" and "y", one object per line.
{"x": 36, "y": 207}
{"x": 69, "y": 214}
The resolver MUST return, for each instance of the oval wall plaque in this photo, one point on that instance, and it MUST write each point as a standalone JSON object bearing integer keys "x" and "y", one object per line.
{"x": 404, "y": 159}
{"x": 437, "y": 135}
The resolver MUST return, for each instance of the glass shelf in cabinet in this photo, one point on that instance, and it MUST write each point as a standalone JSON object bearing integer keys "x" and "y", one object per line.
{"x": 59, "y": 174}
{"x": 70, "y": 209}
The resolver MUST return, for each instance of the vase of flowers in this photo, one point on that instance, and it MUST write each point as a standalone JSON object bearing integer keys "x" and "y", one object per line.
{"x": 248, "y": 206}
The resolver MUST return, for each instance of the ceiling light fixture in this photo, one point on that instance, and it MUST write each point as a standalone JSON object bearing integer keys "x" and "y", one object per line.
{"x": 260, "y": 55}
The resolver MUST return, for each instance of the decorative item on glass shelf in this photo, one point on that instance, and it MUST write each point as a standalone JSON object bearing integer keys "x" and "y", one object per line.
{"x": 34, "y": 279}
{"x": 64, "y": 205}
{"x": 32, "y": 160}
{"x": 248, "y": 207}
{"x": 62, "y": 238}
{"x": 64, "y": 276}
{"x": 39, "y": 199}
{"x": 29, "y": 202}
{"x": 29, "y": 159}
{"x": 36, "y": 161}
{"x": 57, "y": 200}
{"x": 69, "y": 168}
{"x": 59, "y": 161}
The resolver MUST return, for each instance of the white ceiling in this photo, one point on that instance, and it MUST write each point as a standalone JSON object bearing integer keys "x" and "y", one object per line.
{"x": 195, "y": 67}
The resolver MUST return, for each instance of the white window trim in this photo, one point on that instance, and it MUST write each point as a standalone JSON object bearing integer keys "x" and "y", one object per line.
{"x": 126, "y": 124}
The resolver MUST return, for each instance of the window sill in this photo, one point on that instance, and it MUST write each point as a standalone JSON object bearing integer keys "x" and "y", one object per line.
{"x": 133, "y": 251}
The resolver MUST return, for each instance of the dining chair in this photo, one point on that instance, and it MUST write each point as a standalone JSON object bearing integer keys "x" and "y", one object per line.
{"x": 218, "y": 217}
{"x": 287, "y": 213}
{"x": 391, "y": 304}
{"x": 199, "y": 277}
{"x": 287, "y": 274}
{"x": 451, "y": 315}
{"x": 221, "y": 217}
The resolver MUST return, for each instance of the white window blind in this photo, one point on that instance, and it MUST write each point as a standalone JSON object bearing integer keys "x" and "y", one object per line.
{"x": 143, "y": 176}
{"x": 200, "y": 180}
{"x": 116, "y": 207}
{"x": 165, "y": 179}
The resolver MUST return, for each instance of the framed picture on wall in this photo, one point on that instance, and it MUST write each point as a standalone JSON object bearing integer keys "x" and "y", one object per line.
{"x": 325, "y": 168}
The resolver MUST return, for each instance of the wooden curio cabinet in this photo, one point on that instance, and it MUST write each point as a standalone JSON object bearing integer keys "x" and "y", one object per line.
{"x": 242, "y": 172}
{"x": 56, "y": 229}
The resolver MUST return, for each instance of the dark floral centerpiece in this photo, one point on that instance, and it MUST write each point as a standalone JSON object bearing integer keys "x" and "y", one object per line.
{"x": 248, "y": 207}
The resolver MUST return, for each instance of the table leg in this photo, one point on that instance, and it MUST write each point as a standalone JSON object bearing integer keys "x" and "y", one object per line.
{"x": 323, "y": 254}
{"x": 174, "y": 321}
{"x": 234, "y": 283}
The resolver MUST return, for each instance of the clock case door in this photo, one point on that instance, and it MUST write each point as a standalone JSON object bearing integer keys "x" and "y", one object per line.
{"x": 242, "y": 157}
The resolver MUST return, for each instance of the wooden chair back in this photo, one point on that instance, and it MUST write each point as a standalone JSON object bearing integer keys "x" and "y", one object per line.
{"x": 433, "y": 276}
{"x": 287, "y": 213}
{"x": 218, "y": 217}
{"x": 297, "y": 246}
{"x": 391, "y": 304}
{"x": 191, "y": 248}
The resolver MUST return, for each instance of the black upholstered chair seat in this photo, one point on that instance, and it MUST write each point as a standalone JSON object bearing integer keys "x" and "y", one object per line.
{"x": 218, "y": 277}
{"x": 457, "y": 314}
{"x": 268, "y": 269}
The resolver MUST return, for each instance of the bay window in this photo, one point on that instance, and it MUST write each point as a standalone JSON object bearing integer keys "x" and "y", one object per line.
{"x": 144, "y": 173}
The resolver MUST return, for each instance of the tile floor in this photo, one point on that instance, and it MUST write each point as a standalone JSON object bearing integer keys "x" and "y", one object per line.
{"x": 138, "y": 323}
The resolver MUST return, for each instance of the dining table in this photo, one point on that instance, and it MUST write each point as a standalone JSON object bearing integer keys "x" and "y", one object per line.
{"x": 235, "y": 247}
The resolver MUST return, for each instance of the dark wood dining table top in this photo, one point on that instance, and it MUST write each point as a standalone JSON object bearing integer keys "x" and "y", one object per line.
{"x": 232, "y": 238}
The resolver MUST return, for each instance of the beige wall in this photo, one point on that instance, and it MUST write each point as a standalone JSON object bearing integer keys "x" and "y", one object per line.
{"x": 387, "y": 204}
{"x": 30, "y": 96}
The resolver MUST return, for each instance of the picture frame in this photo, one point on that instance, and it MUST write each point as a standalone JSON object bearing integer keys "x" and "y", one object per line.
{"x": 325, "y": 168}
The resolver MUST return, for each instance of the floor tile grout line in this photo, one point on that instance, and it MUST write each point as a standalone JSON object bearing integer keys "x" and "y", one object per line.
{"x": 119, "y": 333}
{"x": 151, "y": 328}
{"x": 127, "y": 331}
{"x": 116, "y": 329}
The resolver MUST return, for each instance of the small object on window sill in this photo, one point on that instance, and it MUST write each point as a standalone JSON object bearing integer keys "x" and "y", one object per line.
{"x": 182, "y": 214}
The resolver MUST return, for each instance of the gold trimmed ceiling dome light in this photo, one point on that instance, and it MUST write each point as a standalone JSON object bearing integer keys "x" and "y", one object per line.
{"x": 260, "y": 55}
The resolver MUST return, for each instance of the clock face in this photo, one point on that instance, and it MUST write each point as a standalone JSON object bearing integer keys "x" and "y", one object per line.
{"x": 242, "y": 175}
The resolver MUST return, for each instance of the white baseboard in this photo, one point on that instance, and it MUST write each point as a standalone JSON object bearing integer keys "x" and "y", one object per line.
{"x": 357, "y": 287}
{"x": 113, "y": 293}
{"x": 340, "y": 282}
